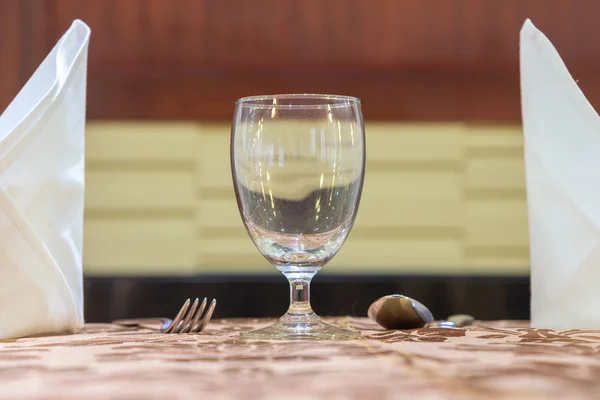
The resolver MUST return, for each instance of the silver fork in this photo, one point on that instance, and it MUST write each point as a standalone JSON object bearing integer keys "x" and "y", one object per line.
{"x": 187, "y": 319}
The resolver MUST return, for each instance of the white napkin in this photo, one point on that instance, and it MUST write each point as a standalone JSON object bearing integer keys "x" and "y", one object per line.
{"x": 562, "y": 158}
{"x": 42, "y": 194}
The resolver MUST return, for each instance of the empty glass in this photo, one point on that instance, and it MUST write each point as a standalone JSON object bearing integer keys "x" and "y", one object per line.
{"x": 298, "y": 169}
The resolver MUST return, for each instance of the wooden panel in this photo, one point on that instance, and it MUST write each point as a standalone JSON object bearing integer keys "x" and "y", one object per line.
{"x": 214, "y": 168}
{"x": 142, "y": 143}
{"x": 496, "y": 223}
{"x": 438, "y": 144}
{"x": 494, "y": 140}
{"x": 204, "y": 32}
{"x": 397, "y": 255}
{"x": 221, "y": 214}
{"x": 25, "y": 39}
{"x": 140, "y": 200}
{"x": 493, "y": 174}
{"x": 508, "y": 261}
{"x": 166, "y": 205}
{"x": 230, "y": 254}
{"x": 394, "y": 94}
{"x": 407, "y": 60}
{"x": 10, "y": 43}
{"x": 167, "y": 190}
{"x": 411, "y": 199}
{"x": 147, "y": 246}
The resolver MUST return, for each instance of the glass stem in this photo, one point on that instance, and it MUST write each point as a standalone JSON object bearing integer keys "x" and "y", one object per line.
{"x": 300, "y": 310}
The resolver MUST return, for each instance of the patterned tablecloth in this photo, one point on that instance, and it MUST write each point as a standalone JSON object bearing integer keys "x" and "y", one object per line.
{"x": 500, "y": 360}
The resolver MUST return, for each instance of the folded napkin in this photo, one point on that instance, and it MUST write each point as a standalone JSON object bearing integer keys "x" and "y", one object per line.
{"x": 42, "y": 193}
{"x": 562, "y": 158}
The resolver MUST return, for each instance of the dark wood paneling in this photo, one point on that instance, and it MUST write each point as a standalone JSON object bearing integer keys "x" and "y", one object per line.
{"x": 407, "y": 60}
{"x": 25, "y": 39}
{"x": 10, "y": 41}
{"x": 251, "y": 296}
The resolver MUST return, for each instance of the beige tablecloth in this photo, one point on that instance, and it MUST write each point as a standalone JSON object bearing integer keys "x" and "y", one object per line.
{"x": 499, "y": 361}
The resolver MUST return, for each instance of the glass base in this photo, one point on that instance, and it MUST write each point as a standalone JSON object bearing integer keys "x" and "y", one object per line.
{"x": 316, "y": 330}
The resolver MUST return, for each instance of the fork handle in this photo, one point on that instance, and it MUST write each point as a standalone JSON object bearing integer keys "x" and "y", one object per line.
{"x": 150, "y": 323}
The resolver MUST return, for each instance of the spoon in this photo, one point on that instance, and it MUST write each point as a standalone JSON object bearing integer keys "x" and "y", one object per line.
{"x": 397, "y": 311}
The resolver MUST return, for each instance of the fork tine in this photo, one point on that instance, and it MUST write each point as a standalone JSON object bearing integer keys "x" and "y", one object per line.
{"x": 194, "y": 322}
{"x": 186, "y": 320}
{"x": 207, "y": 317}
{"x": 178, "y": 317}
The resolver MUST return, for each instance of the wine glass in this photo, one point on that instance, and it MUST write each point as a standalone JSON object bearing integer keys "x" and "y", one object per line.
{"x": 298, "y": 164}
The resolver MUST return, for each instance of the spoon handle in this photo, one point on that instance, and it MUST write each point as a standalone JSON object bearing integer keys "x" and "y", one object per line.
{"x": 461, "y": 319}
{"x": 441, "y": 324}
{"x": 453, "y": 321}
{"x": 148, "y": 323}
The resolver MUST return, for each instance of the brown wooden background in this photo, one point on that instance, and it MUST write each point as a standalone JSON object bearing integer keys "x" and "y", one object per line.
{"x": 406, "y": 59}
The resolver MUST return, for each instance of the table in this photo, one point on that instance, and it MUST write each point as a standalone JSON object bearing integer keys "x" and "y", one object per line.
{"x": 493, "y": 360}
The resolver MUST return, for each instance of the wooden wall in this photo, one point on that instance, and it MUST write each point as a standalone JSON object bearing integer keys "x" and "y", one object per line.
{"x": 438, "y": 198}
{"x": 407, "y": 60}
{"x": 439, "y": 82}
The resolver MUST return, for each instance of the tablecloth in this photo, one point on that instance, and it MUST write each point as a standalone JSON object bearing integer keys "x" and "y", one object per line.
{"x": 490, "y": 360}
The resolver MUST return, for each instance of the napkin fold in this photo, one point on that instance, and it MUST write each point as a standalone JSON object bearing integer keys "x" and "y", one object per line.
{"x": 562, "y": 159}
{"x": 42, "y": 195}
